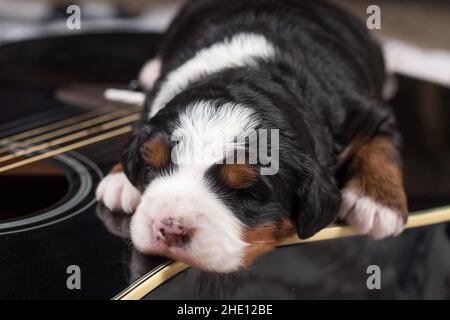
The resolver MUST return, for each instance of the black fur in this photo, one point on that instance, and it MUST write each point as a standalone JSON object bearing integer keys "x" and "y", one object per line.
{"x": 322, "y": 90}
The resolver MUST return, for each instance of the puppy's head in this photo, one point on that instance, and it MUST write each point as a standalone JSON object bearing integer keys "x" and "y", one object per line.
{"x": 200, "y": 208}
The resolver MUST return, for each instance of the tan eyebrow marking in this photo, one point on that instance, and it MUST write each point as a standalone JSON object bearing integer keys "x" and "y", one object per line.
{"x": 238, "y": 176}
{"x": 157, "y": 152}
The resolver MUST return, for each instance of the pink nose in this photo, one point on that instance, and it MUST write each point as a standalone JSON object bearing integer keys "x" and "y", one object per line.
{"x": 171, "y": 232}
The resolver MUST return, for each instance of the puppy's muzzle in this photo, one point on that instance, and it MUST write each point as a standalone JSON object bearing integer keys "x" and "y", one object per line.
{"x": 172, "y": 232}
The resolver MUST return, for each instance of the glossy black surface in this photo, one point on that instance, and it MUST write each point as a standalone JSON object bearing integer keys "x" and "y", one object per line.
{"x": 413, "y": 266}
{"x": 29, "y": 180}
{"x": 33, "y": 263}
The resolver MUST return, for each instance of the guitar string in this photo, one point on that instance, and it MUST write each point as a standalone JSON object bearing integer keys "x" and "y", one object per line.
{"x": 71, "y": 137}
{"x": 79, "y": 144}
{"x": 16, "y": 137}
{"x": 117, "y": 122}
{"x": 71, "y": 128}
{"x": 48, "y": 147}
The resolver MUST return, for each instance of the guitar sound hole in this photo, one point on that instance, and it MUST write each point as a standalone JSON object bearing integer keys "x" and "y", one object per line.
{"x": 31, "y": 189}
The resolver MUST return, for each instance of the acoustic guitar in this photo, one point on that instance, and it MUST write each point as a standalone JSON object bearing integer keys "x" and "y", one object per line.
{"x": 59, "y": 136}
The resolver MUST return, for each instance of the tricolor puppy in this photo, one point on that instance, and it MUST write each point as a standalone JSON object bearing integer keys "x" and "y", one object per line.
{"x": 227, "y": 68}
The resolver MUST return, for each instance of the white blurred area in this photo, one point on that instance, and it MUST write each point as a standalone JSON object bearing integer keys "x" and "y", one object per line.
{"x": 415, "y": 33}
{"x": 24, "y": 19}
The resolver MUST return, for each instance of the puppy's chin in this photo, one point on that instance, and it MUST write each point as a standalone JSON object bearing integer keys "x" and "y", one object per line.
{"x": 208, "y": 248}
{"x": 205, "y": 258}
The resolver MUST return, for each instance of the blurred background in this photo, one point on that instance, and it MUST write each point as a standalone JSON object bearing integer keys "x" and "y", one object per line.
{"x": 415, "y": 33}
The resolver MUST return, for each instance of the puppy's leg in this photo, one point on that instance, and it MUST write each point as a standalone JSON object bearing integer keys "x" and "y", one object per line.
{"x": 373, "y": 197}
{"x": 150, "y": 73}
{"x": 117, "y": 193}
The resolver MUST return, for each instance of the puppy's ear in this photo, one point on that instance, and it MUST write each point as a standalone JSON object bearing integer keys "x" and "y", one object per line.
{"x": 133, "y": 158}
{"x": 319, "y": 202}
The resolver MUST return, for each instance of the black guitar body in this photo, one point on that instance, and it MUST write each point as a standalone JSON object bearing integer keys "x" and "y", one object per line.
{"x": 54, "y": 149}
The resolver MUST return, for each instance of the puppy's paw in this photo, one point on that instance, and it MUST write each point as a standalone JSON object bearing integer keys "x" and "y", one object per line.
{"x": 117, "y": 193}
{"x": 366, "y": 216}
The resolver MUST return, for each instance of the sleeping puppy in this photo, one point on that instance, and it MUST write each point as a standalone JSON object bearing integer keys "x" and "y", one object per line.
{"x": 228, "y": 70}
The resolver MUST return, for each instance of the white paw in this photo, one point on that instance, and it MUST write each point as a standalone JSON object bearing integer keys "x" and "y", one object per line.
{"x": 117, "y": 193}
{"x": 366, "y": 216}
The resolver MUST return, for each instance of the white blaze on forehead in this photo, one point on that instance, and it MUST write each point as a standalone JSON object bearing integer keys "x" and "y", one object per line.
{"x": 243, "y": 49}
{"x": 205, "y": 133}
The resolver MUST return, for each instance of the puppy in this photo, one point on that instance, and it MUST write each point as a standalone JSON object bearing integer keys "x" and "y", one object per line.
{"x": 226, "y": 69}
